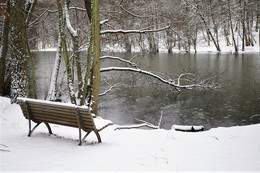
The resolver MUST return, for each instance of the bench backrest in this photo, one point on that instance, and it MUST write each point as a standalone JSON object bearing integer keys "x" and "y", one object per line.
{"x": 57, "y": 113}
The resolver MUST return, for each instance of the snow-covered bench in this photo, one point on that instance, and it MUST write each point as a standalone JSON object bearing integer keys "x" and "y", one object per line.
{"x": 40, "y": 111}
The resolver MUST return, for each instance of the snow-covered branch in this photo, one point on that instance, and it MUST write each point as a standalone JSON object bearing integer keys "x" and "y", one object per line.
{"x": 72, "y": 31}
{"x": 119, "y": 59}
{"x": 204, "y": 83}
{"x": 102, "y": 22}
{"x": 181, "y": 75}
{"x": 107, "y": 90}
{"x": 138, "y": 71}
{"x": 141, "y": 31}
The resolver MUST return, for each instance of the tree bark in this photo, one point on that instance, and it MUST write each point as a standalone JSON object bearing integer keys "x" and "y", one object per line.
{"x": 88, "y": 8}
{"x": 87, "y": 87}
{"x": 19, "y": 51}
{"x": 5, "y": 45}
{"x": 96, "y": 53}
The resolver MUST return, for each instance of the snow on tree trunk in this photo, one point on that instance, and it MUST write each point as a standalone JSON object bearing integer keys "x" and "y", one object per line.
{"x": 76, "y": 54}
{"x": 19, "y": 52}
{"x": 65, "y": 52}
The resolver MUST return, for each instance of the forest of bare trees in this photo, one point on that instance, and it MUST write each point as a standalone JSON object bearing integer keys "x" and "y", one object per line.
{"x": 75, "y": 25}
{"x": 188, "y": 21}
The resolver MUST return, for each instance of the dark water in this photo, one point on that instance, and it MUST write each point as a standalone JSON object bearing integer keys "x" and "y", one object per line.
{"x": 141, "y": 97}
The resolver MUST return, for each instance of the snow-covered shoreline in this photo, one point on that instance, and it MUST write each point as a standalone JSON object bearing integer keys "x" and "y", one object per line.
{"x": 235, "y": 149}
{"x": 202, "y": 47}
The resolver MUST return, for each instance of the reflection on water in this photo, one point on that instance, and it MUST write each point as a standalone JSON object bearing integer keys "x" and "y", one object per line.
{"x": 137, "y": 96}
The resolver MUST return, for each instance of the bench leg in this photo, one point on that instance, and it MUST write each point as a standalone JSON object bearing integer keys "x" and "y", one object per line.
{"x": 49, "y": 128}
{"x": 80, "y": 141}
{"x": 83, "y": 139}
{"x": 98, "y": 136}
{"x": 31, "y": 131}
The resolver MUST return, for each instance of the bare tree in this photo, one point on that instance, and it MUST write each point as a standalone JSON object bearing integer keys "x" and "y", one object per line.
{"x": 5, "y": 78}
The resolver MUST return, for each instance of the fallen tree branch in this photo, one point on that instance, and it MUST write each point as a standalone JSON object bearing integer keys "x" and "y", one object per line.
{"x": 145, "y": 122}
{"x": 138, "y": 126}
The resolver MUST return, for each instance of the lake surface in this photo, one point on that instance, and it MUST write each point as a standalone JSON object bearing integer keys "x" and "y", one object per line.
{"x": 136, "y": 96}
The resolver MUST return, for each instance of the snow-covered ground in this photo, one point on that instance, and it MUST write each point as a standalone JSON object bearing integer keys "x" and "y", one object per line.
{"x": 235, "y": 149}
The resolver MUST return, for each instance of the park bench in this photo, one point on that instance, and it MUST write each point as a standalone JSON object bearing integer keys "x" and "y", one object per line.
{"x": 40, "y": 111}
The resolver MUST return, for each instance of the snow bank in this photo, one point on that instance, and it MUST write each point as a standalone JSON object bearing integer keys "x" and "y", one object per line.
{"x": 4, "y": 103}
{"x": 235, "y": 149}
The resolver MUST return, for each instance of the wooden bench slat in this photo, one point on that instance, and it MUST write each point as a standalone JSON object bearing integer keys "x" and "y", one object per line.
{"x": 53, "y": 109}
{"x": 87, "y": 117}
{"x": 58, "y": 122}
{"x": 86, "y": 121}
{"x": 53, "y": 114}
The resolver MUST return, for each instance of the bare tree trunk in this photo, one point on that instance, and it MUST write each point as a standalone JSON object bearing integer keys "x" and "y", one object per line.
{"x": 52, "y": 94}
{"x": 215, "y": 26}
{"x": 19, "y": 51}
{"x": 88, "y": 8}
{"x": 29, "y": 8}
{"x": 231, "y": 27}
{"x": 257, "y": 17}
{"x": 194, "y": 38}
{"x": 243, "y": 26}
{"x": 209, "y": 32}
{"x": 76, "y": 53}
{"x": 87, "y": 87}
{"x": 96, "y": 52}
{"x": 226, "y": 34}
{"x": 5, "y": 45}
{"x": 169, "y": 40}
{"x": 65, "y": 52}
